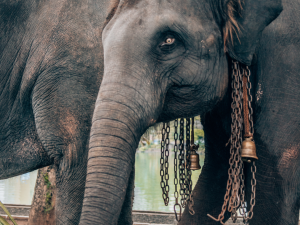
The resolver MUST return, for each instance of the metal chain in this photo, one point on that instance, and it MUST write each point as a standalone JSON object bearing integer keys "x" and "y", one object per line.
{"x": 167, "y": 153}
{"x": 164, "y": 164}
{"x": 253, "y": 166}
{"x": 231, "y": 197}
{"x": 185, "y": 173}
{"x": 234, "y": 198}
{"x": 236, "y": 140}
{"x": 242, "y": 209}
{"x": 188, "y": 180}
{"x": 249, "y": 86}
{"x": 253, "y": 191}
{"x": 176, "y": 195}
{"x": 187, "y": 158}
{"x": 181, "y": 163}
{"x": 234, "y": 201}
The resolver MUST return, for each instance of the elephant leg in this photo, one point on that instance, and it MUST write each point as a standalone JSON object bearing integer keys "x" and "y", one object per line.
{"x": 70, "y": 186}
{"x": 63, "y": 113}
{"x": 125, "y": 217}
{"x": 273, "y": 211}
{"x": 278, "y": 188}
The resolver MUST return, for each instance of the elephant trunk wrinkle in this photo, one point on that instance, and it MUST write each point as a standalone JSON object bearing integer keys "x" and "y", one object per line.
{"x": 113, "y": 141}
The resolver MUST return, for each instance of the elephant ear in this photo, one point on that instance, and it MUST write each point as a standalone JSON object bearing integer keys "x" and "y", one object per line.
{"x": 244, "y": 24}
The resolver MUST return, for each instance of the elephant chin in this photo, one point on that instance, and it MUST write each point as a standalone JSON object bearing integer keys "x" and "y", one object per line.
{"x": 115, "y": 133}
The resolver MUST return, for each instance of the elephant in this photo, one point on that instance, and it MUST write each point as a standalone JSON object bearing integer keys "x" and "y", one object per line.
{"x": 172, "y": 59}
{"x": 51, "y": 66}
{"x": 156, "y": 61}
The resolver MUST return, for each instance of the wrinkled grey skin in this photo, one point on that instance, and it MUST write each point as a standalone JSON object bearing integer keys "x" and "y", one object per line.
{"x": 51, "y": 67}
{"x": 146, "y": 82}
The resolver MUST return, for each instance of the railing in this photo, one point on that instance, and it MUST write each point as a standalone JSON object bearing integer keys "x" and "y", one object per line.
{"x": 21, "y": 214}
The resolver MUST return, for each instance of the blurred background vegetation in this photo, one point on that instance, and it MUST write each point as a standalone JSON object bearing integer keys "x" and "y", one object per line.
{"x": 151, "y": 140}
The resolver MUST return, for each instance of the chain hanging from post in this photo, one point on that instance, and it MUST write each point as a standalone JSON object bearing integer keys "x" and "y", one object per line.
{"x": 235, "y": 190}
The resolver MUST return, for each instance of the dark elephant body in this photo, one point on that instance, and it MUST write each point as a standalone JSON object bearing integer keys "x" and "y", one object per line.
{"x": 163, "y": 60}
{"x": 51, "y": 65}
{"x": 275, "y": 82}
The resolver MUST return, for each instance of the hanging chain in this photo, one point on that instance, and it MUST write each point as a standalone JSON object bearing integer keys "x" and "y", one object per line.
{"x": 249, "y": 86}
{"x": 191, "y": 200}
{"x": 234, "y": 198}
{"x": 167, "y": 162}
{"x": 187, "y": 159}
{"x": 234, "y": 201}
{"x": 176, "y": 195}
{"x": 188, "y": 178}
{"x": 253, "y": 166}
{"x": 181, "y": 163}
{"x": 235, "y": 190}
{"x": 164, "y": 162}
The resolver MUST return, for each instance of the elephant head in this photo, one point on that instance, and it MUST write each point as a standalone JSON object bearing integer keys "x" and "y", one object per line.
{"x": 162, "y": 60}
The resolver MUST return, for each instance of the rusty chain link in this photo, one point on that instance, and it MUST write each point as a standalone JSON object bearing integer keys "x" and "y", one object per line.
{"x": 234, "y": 198}
{"x": 235, "y": 190}
{"x": 253, "y": 166}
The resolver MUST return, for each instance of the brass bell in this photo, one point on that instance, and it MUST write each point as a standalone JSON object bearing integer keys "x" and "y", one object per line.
{"x": 194, "y": 158}
{"x": 248, "y": 152}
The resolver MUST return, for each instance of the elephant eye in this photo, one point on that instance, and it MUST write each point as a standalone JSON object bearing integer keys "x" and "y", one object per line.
{"x": 168, "y": 44}
{"x": 169, "y": 41}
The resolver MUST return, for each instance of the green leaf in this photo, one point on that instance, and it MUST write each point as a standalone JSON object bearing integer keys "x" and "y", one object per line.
{"x": 6, "y": 211}
{"x": 3, "y": 221}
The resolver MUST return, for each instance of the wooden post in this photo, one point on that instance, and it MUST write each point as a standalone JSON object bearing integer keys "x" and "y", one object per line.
{"x": 43, "y": 204}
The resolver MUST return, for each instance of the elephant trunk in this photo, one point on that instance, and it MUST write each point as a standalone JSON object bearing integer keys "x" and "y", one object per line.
{"x": 119, "y": 120}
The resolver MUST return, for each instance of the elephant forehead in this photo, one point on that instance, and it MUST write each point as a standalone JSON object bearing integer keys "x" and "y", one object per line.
{"x": 150, "y": 17}
{"x": 187, "y": 6}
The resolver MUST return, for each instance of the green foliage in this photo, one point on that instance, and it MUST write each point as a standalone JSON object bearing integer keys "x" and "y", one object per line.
{"x": 152, "y": 137}
{"x": 199, "y": 134}
{"x": 48, "y": 198}
{"x": 2, "y": 220}
{"x": 46, "y": 180}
